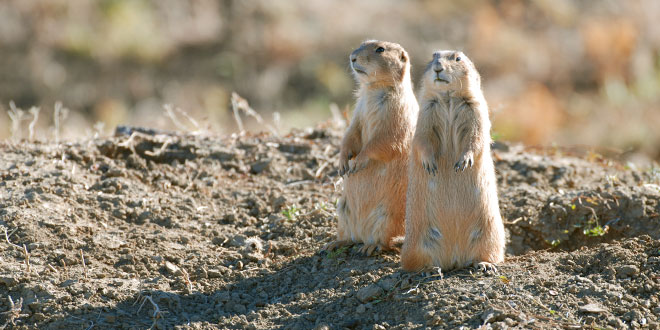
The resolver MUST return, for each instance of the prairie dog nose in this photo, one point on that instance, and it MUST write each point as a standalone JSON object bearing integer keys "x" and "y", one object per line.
{"x": 353, "y": 57}
{"x": 438, "y": 68}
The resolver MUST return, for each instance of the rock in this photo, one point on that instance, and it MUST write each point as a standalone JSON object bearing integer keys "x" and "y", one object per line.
{"x": 627, "y": 270}
{"x": 214, "y": 273}
{"x": 294, "y": 148}
{"x": 360, "y": 309}
{"x": 239, "y": 308}
{"x": 351, "y": 324}
{"x": 276, "y": 202}
{"x": 219, "y": 240}
{"x": 8, "y": 281}
{"x": 172, "y": 268}
{"x": 238, "y": 241}
{"x": 388, "y": 283}
{"x": 492, "y": 315}
{"x": 110, "y": 318}
{"x": 592, "y": 308}
{"x": 260, "y": 166}
{"x": 369, "y": 293}
{"x": 615, "y": 322}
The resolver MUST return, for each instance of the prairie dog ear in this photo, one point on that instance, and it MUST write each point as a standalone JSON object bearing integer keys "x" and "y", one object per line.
{"x": 404, "y": 56}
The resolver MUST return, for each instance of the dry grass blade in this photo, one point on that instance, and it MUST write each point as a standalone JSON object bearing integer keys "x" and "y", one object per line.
{"x": 135, "y": 136}
{"x": 82, "y": 258}
{"x": 160, "y": 150}
{"x": 186, "y": 279}
{"x": 170, "y": 111}
{"x": 60, "y": 114}
{"x": 8, "y": 241}
{"x": 34, "y": 111}
{"x": 27, "y": 258}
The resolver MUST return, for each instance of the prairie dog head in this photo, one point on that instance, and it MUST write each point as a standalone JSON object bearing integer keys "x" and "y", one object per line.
{"x": 380, "y": 64}
{"x": 452, "y": 72}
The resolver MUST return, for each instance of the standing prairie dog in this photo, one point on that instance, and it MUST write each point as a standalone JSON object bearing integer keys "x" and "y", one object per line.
{"x": 375, "y": 148}
{"x": 452, "y": 215}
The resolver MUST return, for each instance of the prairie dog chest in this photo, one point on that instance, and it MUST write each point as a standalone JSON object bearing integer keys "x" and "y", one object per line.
{"x": 446, "y": 116}
{"x": 446, "y": 111}
{"x": 375, "y": 112}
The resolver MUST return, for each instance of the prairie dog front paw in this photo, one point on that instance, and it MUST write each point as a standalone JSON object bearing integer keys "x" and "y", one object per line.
{"x": 465, "y": 161}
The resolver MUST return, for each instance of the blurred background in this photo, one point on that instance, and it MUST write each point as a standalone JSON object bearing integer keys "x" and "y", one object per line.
{"x": 555, "y": 72}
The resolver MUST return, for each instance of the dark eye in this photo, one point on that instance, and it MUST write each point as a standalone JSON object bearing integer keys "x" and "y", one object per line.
{"x": 380, "y": 50}
{"x": 458, "y": 58}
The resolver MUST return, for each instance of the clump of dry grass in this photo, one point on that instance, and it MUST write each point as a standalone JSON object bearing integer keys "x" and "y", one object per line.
{"x": 34, "y": 111}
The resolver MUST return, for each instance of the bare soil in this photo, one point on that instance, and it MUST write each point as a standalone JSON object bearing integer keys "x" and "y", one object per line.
{"x": 164, "y": 230}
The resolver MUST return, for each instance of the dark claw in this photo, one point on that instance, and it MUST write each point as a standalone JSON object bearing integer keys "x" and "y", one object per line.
{"x": 431, "y": 169}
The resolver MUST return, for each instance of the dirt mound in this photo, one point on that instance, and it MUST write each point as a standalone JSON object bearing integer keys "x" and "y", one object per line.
{"x": 168, "y": 230}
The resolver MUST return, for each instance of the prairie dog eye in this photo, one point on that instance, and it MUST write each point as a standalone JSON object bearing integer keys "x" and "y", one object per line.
{"x": 458, "y": 58}
{"x": 380, "y": 50}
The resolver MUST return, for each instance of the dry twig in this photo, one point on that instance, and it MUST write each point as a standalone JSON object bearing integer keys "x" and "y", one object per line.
{"x": 13, "y": 313}
{"x": 34, "y": 111}
{"x": 169, "y": 110}
{"x": 60, "y": 114}
{"x": 157, "y": 314}
{"x": 240, "y": 104}
{"x": 8, "y": 241}
{"x": 186, "y": 279}
{"x": 27, "y": 258}
{"x": 82, "y": 257}
{"x": 53, "y": 269}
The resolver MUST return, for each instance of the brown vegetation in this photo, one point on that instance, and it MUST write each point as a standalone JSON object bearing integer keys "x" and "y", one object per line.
{"x": 565, "y": 72}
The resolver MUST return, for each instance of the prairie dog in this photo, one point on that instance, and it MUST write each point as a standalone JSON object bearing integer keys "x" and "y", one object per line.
{"x": 374, "y": 151}
{"x": 452, "y": 215}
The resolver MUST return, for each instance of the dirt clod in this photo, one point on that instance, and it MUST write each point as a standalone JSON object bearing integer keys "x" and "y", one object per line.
{"x": 627, "y": 270}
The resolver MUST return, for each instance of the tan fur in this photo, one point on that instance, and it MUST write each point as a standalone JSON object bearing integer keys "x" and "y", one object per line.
{"x": 452, "y": 215}
{"x": 375, "y": 148}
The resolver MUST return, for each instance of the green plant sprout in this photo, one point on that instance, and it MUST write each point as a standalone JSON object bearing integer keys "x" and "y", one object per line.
{"x": 596, "y": 231}
{"x": 291, "y": 213}
{"x": 337, "y": 252}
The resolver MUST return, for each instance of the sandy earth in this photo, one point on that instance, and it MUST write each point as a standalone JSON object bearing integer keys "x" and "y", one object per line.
{"x": 194, "y": 231}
